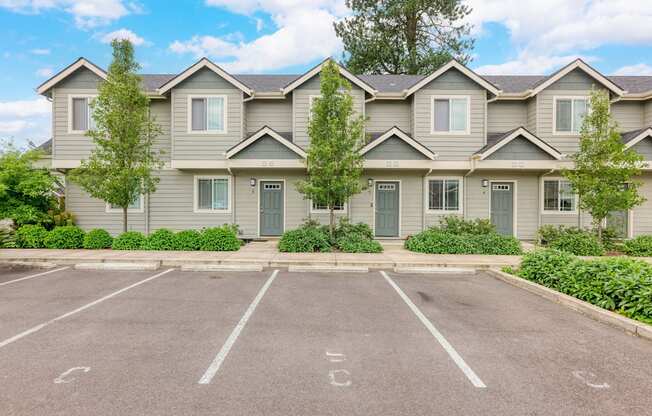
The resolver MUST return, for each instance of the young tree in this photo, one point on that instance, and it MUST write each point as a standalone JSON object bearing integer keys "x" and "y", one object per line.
{"x": 119, "y": 169}
{"x": 604, "y": 167}
{"x": 404, "y": 36}
{"x": 334, "y": 163}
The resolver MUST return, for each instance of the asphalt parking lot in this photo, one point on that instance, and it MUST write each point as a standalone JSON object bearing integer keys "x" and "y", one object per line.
{"x": 279, "y": 343}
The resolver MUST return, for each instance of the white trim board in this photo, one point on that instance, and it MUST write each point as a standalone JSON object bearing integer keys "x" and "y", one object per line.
{"x": 572, "y": 98}
{"x": 71, "y": 97}
{"x": 453, "y": 65}
{"x": 531, "y": 137}
{"x": 260, "y": 133}
{"x": 195, "y": 194}
{"x": 460, "y": 196}
{"x": 643, "y": 135}
{"x": 542, "y": 211}
{"x": 317, "y": 69}
{"x": 204, "y": 63}
{"x": 578, "y": 64}
{"x": 395, "y": 131}
{"x": 225, "y": 112}
{"x": 449, "y": 97}
{"x": 79, "y": 63}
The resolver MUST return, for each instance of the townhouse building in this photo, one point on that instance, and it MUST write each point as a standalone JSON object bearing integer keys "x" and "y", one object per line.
{"x": 450, "y": 143}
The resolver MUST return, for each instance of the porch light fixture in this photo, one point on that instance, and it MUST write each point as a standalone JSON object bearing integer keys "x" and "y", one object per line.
{"x": 252, "y": 182}
{"x": 485, "y": 183}
{"x": 370, "y": 182}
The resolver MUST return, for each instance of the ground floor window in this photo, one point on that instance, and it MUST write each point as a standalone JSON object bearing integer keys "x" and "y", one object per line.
{"x": 444, "y": 194}
{"x": 558, "y": 196}
{"x": 318, "y": 207}
{"x": 212, "y": 194}
{"x": 136, "y": 206}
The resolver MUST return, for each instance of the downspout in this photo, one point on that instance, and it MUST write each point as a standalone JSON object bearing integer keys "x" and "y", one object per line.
{"x": 147, "y": 213}
{"x": 233, "y": 204}
{"x": 466, "y": 191}
{"x": 424, "y": 200}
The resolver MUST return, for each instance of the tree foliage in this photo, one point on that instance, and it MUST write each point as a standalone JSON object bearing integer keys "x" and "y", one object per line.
{"x": 334, "y": 163}
{"x": 404, "y": 36}
{"x": 26, "y": 192}
{"x": 120, "y": 166}
{"x": 604, "y": 171}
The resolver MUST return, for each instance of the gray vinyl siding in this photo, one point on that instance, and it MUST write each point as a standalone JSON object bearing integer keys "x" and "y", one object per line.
{"x": 276, "y": 114}
{"x": 301, "y": 103}
{"x": 160, "y": 111}
{"x": 520, "y": 149}
{"x": 642, "y": 215}
{"x": 628, "y": 115}
{"x": 504, "y": 116}
{"x": 266, "y": 148}
{"x": 647, "y": 121}
{"x": 201, "y": 146}
{"x": 531, "y": 114}
{"x": 383, "y": 115}
{"x": 395, "y": 149}
{"x": 644, "y": 147}
{"x": 449, "y": 146}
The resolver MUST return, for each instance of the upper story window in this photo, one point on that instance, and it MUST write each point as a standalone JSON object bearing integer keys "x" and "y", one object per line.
{"x": 207, "y": 114}
{"x": 558, "y": 196}
{"x": 81, "y": 114}
{"x": 213, "y": 194}
{"x": 444, "y": 195}
{"x": 569, "y": 114}
{"x": 450, "y": 115}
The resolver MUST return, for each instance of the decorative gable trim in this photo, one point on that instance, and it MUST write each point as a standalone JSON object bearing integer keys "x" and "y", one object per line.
{"x": 453, "y": 65}
{"x": 395, "y": 131}
{"x": 518, "y": 132}
{"x": 316, "y": 70}
{"x": 578, "y": 64}
{"x": 69, "y": 70}
{"x": 204, "y": 63}
{"x": 640, "y": 137}
{"x": 265, "y": 130}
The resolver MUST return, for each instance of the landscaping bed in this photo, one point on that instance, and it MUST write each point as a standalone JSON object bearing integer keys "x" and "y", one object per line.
{"x": 312, "y": 237}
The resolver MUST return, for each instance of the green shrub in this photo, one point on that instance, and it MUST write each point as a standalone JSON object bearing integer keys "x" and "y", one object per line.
{"x": 222, "y": 238}
{"x": 458, "y": 225}
{"x": 578, "y": 243}
{"x": 358, "y": 243}
{"x": 437, "y": 241}
{"x": 66, "y": 237}
{"x": 130, "y": 240}
{"x": 345, "y": 228}
{"x": 7, "y": 238}
{"x": 161, "y": 239}
{"x": 307, "y": 239}
{"x": 97, "y": 239}
{"x": 187, "y": 240}
{"x": 545, "y": 266}
{"x": 640, "y": 246}
{"x": 31, "y": 236}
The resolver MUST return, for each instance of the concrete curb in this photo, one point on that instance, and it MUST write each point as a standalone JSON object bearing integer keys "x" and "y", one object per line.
{"x": 328, "y": 269}
{"x": 628, "y": 325}
{"x": 124, "y": 266}
{"x": 38, "y": 264}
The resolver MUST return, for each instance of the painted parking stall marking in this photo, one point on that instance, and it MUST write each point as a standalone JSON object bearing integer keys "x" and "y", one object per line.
{"x": 65, "y": 377}
{"x": 214, "y": 367}
{"x": 455, "y": 356}
{"x": 80, "y": 309}
{"x": 34, "y": 275}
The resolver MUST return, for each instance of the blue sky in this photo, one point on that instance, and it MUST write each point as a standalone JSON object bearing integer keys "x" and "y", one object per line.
{"x": 40, "y": 37}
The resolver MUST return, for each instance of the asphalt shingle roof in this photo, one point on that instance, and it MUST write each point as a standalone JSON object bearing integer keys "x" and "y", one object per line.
{"x": 632, "y": 134}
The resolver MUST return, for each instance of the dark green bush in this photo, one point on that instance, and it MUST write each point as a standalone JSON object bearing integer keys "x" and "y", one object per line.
{"x": 578, "y": 243}
{"x": 437, "y": 241}
{"x": 161, "y": 239}
{"x": 66, "y": 237}
{"x": 222, "y": 238}
{"x": 358, "y": 243}
{"x": 31, "y": 236}
{"x": 545, "y": 266}
{"x": 458, "y": 225}
{"x": 345, "y": 228}
{"x": 187, "y": 240}
{"x": 309, "y": 238}
{"x": 130, "y": 240}
{"x": 640, "y": 246}
{"x": 7, "y": 238}
{"x": 97, "y": 239}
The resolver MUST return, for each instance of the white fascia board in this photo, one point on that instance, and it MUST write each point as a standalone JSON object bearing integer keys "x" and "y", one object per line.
{"x": 81, "y": 62}
{"x": 532, "y": 138}
{"x": 645, "y": 133}
{"x": 456, "y": 65}
{"x": 394, "y": 131}
{"x": 262, "y": 132}
{"x": 316, "y": 70}
{"x": 204, "y": 63}
{"x": 578, "y": 63}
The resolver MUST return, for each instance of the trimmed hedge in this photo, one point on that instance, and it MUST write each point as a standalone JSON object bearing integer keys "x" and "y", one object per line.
{"x": 347, "y": 237}
{"x": 66, "y": 237}
{"x": 97, "y": 239}
{"x": 31, "y": 236}
{"x": 187, "y": 240}
{"x": 161, "y": 239}
{"x": 222, "y": 238}
{"x": 358, "y": 243}
{"x": 130, "y": 240}
{"x": 307, "y": 239}
{"x": 619, "y": 284}
{"x": 437, "y": 241}
{"x": 640, "y": 246}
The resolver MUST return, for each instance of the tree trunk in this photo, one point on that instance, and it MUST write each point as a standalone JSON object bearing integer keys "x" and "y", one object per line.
{"x": 124, "y": 219}
{"x": 331, "y": 225}
{"x": 411, "y": 40}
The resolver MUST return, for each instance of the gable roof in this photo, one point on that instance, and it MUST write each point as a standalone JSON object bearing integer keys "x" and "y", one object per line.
{"x": 631, "y": 138}
{"x": 317, "y": 69}
{"x": 395, "y": 131}
{"x": 578, "y": 64}
{"x": 67, "y": 71}
{"x": 204, "y": 63}
{"x": 496, "y": 141}
{"x": 265, "y": 131}
{"x": 453, "y": 65}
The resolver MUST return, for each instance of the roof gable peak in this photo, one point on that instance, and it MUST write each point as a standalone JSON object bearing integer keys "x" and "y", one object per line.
{"x": 586, "y": 68}
{"x": 453, "y": 64}
{"x": 204, "y": 63}
{"x": 317, "y": 69}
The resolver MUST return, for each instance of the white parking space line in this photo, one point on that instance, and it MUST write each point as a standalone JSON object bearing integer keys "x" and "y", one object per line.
{"x": 455, "y": 356}
{"x": 34, "y": 275}
{"x": 80, "y": 309}
{"x": 221, "y": 356}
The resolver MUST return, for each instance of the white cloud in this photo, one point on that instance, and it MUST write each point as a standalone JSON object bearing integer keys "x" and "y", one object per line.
{"x": 40, "y": 51}
{"x": 638, "y": 69}
{"x": 45, "y": 72}
{"x": 87, "y": 13}
{"x": 124, "y": 34}
{"x": 25, "y": 108}
{"x": 527, "y": 64}
{"x": 14, "y": 126}
{"x": 25, "y": 120}
{"x": 304, "y": 33}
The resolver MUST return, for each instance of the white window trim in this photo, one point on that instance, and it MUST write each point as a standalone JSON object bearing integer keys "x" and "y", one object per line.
{"x": 426, "y": 201}
{"x": 554, "y": 113}
{"x": 542, "y": 209}
{"x": 465, "y": 132}
{"x": 70, "y": 125}
{"x": 140, "y": 210}
{"x": 311, "y": 98}
{"x": 344, "y": 209}
{"x": 195, "y": 195}
{"x": 207, "y": 132}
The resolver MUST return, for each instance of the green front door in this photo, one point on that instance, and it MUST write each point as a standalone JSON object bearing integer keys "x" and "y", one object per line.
{"x": 502, "y": 207}
{"x": 271, "y": 208}
{"x": 387, "y": 209}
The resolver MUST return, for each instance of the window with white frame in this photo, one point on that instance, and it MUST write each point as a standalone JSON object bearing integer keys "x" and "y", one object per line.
{"x": 450, "y": 115}
{"x": 569, "y": 114}
{"x": 135, "y": 206}
{"x": 212, "y": 194}
{"x": 81, "y": 113}
{"x": 444, "y": 194}
{"x": 323, "y": 207}
{"x": 208, "y": 114}
{"x": 558, "y": 196}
